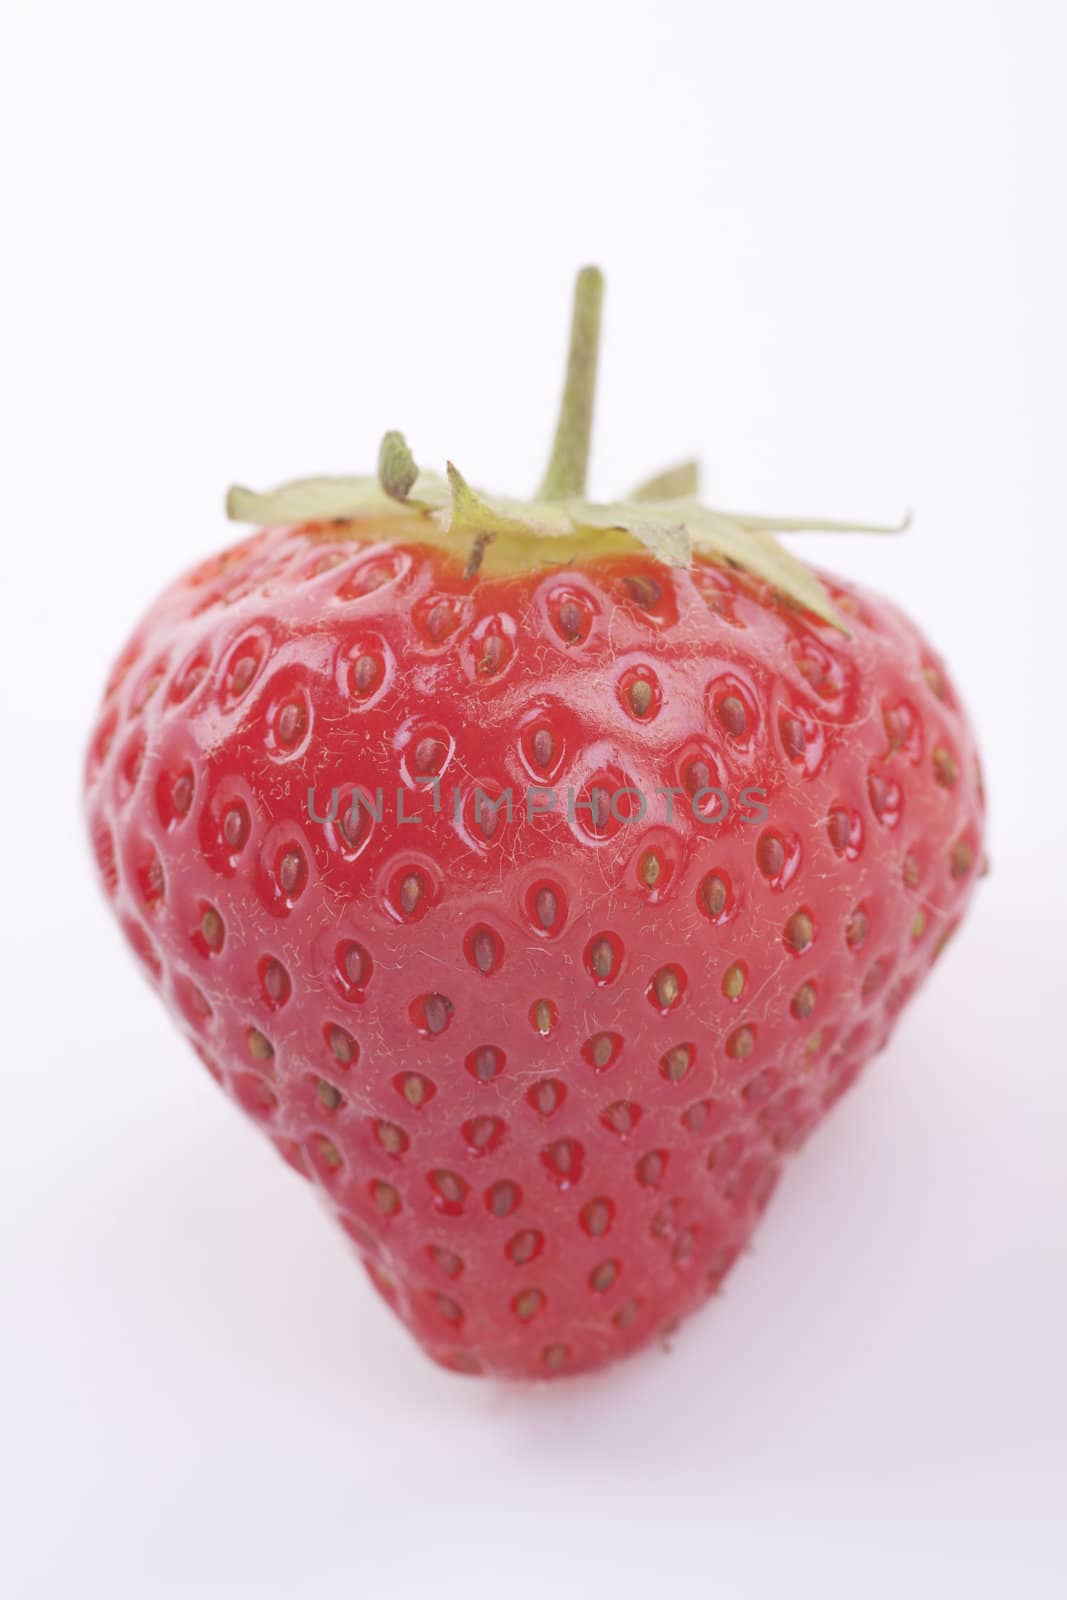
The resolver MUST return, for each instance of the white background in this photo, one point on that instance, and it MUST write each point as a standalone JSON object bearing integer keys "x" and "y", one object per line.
{"x": 242, "y": 240}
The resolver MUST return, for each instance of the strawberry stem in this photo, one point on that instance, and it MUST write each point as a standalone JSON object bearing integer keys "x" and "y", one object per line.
{"x": 565, "y": 476}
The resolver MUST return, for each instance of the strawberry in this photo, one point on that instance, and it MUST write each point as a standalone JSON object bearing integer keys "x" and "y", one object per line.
{"x": 535, "y": 876}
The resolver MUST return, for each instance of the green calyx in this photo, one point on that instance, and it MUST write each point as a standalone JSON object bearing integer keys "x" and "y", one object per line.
{"x": 662, "y": 515}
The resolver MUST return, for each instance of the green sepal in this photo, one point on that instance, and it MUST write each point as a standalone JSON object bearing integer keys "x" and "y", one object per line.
{"x": 396, "y": 466}
{"x": 681, "y": 482}
{"x": 671, "y": 529}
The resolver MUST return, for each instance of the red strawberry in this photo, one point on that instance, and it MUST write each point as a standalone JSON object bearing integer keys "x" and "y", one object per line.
{"x": 544, "y": 1068}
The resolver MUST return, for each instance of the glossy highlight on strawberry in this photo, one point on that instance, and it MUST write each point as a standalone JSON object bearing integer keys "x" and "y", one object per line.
{"x": 544, "y": 1066}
